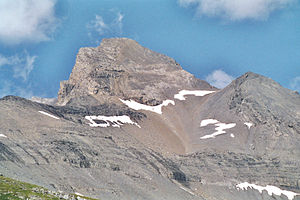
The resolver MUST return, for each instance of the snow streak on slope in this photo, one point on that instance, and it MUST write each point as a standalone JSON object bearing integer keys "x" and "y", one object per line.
{"x": 158, "y": 109}
{"x": 106, "y": 121}
{"x": 138, "y": 106}
{"x": 269, "y": 188}
{"x": 2, "y": 135}
{"x": 198, "y": 93}
{"x": 49, "y": 115}
{"x": 219, "y": 127}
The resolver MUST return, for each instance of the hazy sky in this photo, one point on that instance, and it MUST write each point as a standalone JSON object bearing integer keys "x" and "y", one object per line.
{"x": 215, "y": 40}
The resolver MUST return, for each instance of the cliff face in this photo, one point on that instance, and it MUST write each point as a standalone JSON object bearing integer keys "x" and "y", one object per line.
{"x": 121, "y": 68}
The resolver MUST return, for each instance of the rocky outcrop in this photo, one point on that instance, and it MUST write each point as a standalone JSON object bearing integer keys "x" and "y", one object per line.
{"x": 121, "y": 68}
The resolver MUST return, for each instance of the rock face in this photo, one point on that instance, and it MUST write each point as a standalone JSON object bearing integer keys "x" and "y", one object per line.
{"x": 200, "y": 146}
{"x": 272, "y": 111}
{"x": 122, "y": 68}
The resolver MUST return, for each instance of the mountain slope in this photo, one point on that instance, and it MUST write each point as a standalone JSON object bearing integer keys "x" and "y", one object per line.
{"x": 63, "y": 155}
{"x": 273, "y": 111}
{"x": 131, "y": 124}
{"x": 13, "y": 189}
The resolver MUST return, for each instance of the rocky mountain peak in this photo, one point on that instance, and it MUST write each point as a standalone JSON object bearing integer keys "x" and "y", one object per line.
{"x": 121, "y": 68}
{"x": 263, "y": 102}
{"x": 251, "y": 79}
{"x": 200, "y": 147}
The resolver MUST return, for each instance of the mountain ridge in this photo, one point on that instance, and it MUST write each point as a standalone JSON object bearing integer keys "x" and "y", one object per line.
{"x": 188, "y": 140}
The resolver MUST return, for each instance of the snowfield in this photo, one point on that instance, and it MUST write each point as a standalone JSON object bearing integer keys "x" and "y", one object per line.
{"x": 49, "y": 115}
{"x": 269, "y": 188}
{"x": 114, "y": 121}
{"x": 198, "y": 93}
{"x": 220, "y": 128}
{"x": 2, "y": 135}
{"x": 138, "y": 106}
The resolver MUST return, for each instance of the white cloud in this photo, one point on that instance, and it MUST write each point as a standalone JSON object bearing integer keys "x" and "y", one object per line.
{"x": 295, "y": 83}
{"x": 219, "y": 79}
{"x": 26, "y": 20}
{"x": 22, "y": 64}
{"x": 9, "y": 88}
{"x": 98, "y": 27}
{"x": 236, "y": 10}
{"x": 118, "y": 22}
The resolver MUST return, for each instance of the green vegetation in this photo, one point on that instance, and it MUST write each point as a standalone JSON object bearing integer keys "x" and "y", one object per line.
{"x": 15, "y": 190}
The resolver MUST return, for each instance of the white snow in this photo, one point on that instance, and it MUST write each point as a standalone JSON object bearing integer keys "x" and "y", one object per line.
{"x": 232, "y": 135}
{"x": 187, "y": 190}
{"x": 269, "y": 188}
{"x": 198, "y": 93}
{"x": 248, "y": 124}
{"x": 49, "y": 115}
{"x": 158, "y": 109}
{"x": 116, "y": 121}
{"x": 206, "y": 122}
{"x": 220, "y": 127}
{"x": 2, "y": 135}
{"x": 138, "y": 106}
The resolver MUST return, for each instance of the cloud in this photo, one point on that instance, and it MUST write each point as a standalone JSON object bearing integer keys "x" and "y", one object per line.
{"x": 295, "y": 83}
{"x": 219, "y": 79}
{"x": 236, "y": 10}
{"x": 26, "y": 20}
{"x": 118, "y": 22}
{"x": 98, "y": 27}
{"x": 9, "y": 88}
{"x": 22, "y": 64}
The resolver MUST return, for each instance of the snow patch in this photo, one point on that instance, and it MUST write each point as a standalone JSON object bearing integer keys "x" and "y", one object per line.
{"x": 206, "y": 122}
{"x": 158, "y": 108}
{"x": 220, "y": 128}
{"x": 248, "y": 124}
{"x": 138, "y": 106}
{"x": 232, "y": 135}
{"x": 114, "y": 121}
{"x": 49, "y": 115}
{"x": 2, "y": 135}
{"x": 269, "y": 188}
{"x": 187, "y": 190}
{"x": 198, "y": 93}
{"x": 78, "y": 194}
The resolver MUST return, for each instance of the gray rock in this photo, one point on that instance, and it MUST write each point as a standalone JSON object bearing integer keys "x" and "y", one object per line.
{"x": 165, "y": 158}
{"x": 121, "y": 68}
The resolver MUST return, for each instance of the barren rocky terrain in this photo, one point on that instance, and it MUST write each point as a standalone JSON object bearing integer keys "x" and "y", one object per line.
{"x": 132, "y": 124}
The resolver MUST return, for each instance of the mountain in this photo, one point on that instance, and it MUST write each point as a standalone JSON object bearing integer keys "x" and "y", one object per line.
{"x": 122, "y": 68}
{"x": 132, "y": 124}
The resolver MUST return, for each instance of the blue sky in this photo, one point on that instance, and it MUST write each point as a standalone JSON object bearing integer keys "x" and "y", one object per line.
{"x": 215, "y": 40}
